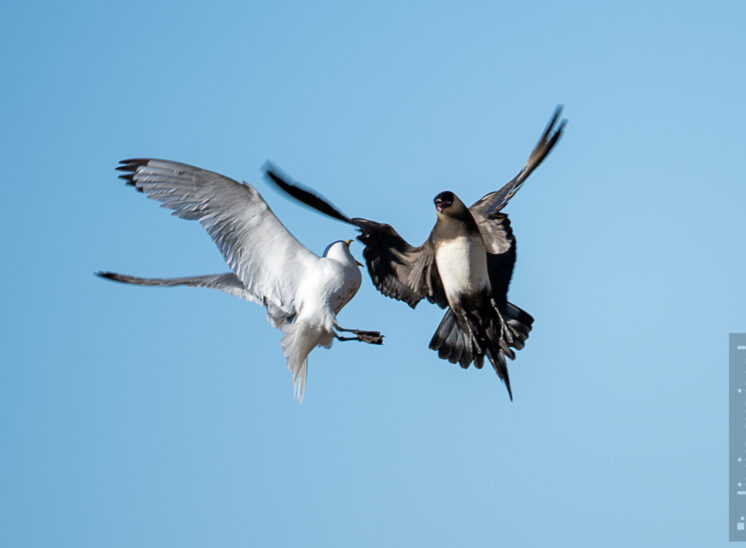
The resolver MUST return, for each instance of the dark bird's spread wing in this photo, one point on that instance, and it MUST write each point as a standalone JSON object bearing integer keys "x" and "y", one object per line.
{"x": 501, "y": 253}
{"x": 398, "y": 269}
{"x": 495, "y": 226}
{"x": 493, "y": 202}
{"x": 409, "y": 273}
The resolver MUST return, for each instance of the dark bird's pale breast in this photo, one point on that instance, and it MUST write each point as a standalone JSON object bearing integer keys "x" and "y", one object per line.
{"x": 462, "y": 263}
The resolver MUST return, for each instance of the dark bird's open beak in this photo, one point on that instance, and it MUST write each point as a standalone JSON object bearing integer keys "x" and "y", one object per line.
{"x": 440, "y": 205}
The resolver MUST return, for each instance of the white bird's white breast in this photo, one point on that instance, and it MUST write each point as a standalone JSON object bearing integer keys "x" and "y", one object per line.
{"x": 462, "y": 263}
{"x": 346, "y": 288}
{"x": 334, "y": 285}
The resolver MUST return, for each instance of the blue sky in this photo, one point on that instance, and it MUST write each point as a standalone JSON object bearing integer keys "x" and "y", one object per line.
{"x": 146, "y": 417}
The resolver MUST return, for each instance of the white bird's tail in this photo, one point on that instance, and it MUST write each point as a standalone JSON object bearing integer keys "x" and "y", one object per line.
{"x": 300, "y": 338}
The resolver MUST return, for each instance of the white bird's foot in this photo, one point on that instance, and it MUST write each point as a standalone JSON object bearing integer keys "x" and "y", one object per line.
{"x": 370, "y": 337}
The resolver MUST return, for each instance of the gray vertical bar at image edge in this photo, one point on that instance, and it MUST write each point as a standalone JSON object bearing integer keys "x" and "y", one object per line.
{"x": 737, "y": 437}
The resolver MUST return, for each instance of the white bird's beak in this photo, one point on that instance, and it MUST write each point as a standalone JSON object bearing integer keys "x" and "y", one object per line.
{"x": 348, "y": 242}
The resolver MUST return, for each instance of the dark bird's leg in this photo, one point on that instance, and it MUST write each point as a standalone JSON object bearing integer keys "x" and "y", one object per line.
{"x": 506, "y": 336}
{"x": 370, "y": 337}
{"x": 463, "y": 320}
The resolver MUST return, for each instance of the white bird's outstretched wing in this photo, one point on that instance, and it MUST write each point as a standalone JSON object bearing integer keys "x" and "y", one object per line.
{"x": 267, "y": 259}
{"x": 227, "y": 282}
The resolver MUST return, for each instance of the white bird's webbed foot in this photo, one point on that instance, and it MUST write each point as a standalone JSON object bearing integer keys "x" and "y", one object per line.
{"x": 370, "y": 337}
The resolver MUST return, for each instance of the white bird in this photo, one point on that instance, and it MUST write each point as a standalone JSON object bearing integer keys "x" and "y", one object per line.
{"x": 303, "y": 293}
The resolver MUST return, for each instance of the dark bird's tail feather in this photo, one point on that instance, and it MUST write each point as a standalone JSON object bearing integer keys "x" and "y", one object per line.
{"x": 453, "y": 344}
{"x": 520, "y": 323}
{"x": 497, "y": 334}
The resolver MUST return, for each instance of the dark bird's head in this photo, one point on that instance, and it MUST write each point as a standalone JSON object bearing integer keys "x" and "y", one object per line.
{"x": 444, "y": 200}
{"x": 447, "y": 203}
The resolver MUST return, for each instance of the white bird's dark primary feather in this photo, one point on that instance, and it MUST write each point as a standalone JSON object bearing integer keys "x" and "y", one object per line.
{"x": 410, "y": 274}
{"x": 301, "y": 291}
{"x": 227, "y": 282}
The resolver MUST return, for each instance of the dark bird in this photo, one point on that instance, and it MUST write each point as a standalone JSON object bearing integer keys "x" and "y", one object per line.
{"x": 465, "y": 266}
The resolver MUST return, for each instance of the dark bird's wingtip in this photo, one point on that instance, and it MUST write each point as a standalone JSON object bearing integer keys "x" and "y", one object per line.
{"x": 557, "y": 113}
{"x": 553, "y": 122}
{"x": 269, "y": 166}
{"x": 275, "y": 175}
{"x": 303, "y": 195}
{"x": 552, "y": 133}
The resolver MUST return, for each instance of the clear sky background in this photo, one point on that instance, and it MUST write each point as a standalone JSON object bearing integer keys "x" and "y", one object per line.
{"x": 164, "y": 417}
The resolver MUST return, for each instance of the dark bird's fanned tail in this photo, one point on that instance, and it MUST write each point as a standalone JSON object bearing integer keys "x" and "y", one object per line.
{"x": 520, "y": 323}
{"x": 496, "y": 335}
{"x": 453, "y": 344}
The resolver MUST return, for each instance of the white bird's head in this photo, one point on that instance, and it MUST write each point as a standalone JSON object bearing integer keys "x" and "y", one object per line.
{"x": 340, "y": 252}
